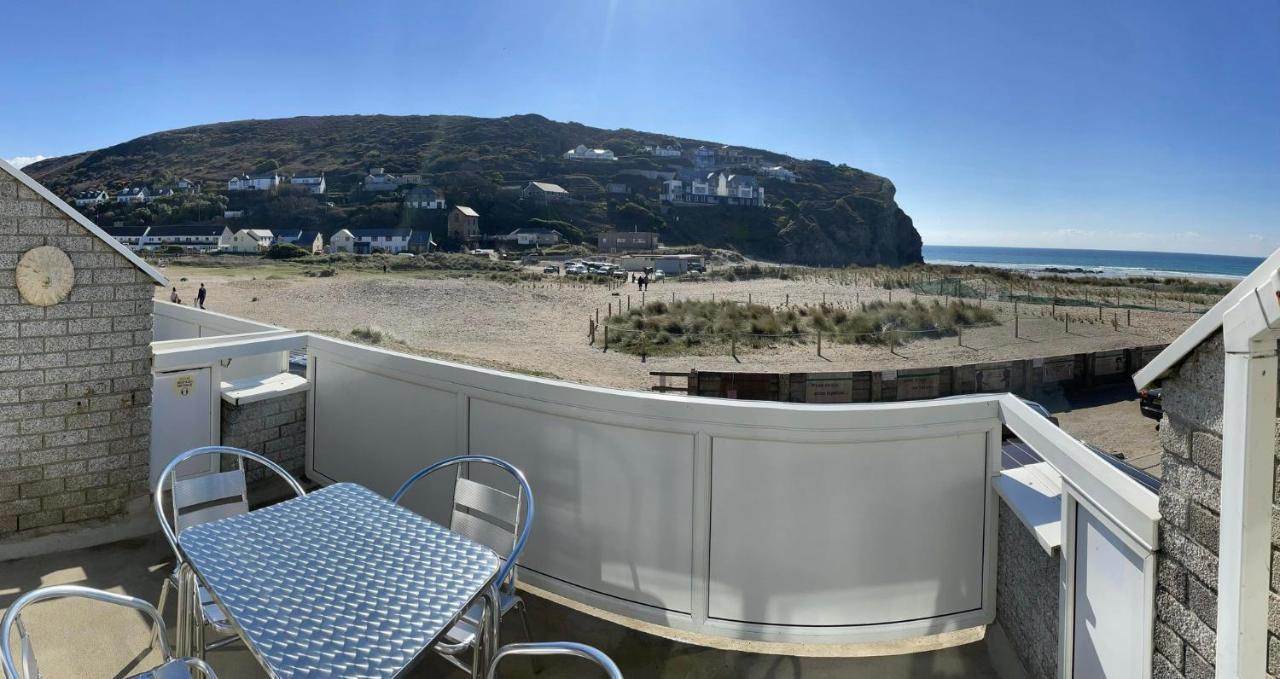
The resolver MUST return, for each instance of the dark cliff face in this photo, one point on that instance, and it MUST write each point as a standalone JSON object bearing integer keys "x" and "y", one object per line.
{"x": 834, "y": 215}
{"x": 856, "y": 229}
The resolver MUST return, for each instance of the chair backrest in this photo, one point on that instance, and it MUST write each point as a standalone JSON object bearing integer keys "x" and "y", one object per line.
{"x": 583, "y": 651}
{"x": 496, "y": 518}
{"x": 13, "y": 619}
{"x": 209, "y": 496}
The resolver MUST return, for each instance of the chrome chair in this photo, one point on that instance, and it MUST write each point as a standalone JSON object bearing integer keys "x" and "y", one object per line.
{"x": 201, "y": 498}
{"x": 173, "y": 668}
{"x": 556, "y": 648}
{"x": 496, "y": 518}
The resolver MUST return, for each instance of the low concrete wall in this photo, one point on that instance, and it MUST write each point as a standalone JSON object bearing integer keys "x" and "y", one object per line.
{"x": 1030, "y": 378}
{"x": 1027, "y": 582}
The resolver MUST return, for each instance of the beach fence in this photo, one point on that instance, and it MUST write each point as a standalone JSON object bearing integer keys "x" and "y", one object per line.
{"x": 1029, "y": 378}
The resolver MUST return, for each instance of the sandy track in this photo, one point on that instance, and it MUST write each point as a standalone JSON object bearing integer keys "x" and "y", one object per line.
{"x": 541, "y": 327}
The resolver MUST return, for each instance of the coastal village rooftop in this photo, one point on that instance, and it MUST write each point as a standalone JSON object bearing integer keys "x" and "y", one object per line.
{"x": 682, "y": 536}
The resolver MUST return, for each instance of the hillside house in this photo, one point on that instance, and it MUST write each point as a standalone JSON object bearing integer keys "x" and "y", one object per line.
{"x": 187, "y": 186}
{"x": 534, "y": 235}
{"x": 542, "y": 193}
{"x": 129, "y": 236}
{"x": 162, "y": 192}
{"x": 424, "y": 198}
{"x": 91, "y": 197}
{"x": 314, "y": 184}
{"x": 266, "y": 181}
{"x": 714, "y": 188}
{"x": 311, "y": 241}
{"x": 779, "y": 172}
{"x": 617, "y": 189}
{"x": 663, "y": 151}
{"x": 133, "y": 195}
{"x": 378, "y": 181}
{"x": 627, "y": 241}
{"x": 342, "y": 241}
{"x": 464, "y": 223}
{"x": 247, "y": 241}
{"x": 584, "y": 153}
{"x": 703, "y": 157}
{"x": 198, "y": 237}
{"x": 392, "y": 240}
{"x": 232, "y": 214}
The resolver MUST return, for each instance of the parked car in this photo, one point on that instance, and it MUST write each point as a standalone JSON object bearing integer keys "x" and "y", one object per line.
{"x": 550, "y": 269}
{"x": 659, "y": 275}
{"x": 1150, "y": 404}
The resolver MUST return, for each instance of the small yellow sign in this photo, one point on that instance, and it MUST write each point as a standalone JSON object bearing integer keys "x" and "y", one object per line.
{"x": 184, "y": 384}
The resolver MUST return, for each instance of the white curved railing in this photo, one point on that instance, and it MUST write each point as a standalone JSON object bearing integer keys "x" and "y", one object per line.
{"x": 742, "y": 519}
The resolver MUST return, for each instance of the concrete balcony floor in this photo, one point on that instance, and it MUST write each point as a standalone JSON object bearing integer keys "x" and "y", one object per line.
{"x": 76, "y": 638}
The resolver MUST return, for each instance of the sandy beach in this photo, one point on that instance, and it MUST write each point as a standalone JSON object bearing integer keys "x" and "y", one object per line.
{"x": 541, "y": 327}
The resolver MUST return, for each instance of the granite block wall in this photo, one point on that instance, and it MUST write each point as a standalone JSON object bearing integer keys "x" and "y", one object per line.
{"x": 75, "y": 377}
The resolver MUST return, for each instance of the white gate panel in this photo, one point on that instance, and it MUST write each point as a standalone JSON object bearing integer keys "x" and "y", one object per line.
{"x": 1110, "y": 604}
{"x": 181, "y": 419}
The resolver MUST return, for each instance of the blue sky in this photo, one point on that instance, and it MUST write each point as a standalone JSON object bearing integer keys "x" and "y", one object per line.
{"x": 1129, "y": 125}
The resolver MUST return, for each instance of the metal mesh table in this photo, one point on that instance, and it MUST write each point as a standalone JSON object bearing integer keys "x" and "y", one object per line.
{"x": 339, "y": 582}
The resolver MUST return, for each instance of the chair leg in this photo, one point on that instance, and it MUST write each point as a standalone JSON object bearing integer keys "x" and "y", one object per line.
{"x": 524, "y": 620}
{"x": 535, "y": 663}
{"x": 164, "y": 594}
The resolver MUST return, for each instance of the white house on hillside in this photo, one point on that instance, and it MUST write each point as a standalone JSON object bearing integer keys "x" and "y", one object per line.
{"x": 424, "y": 198}
{"x": 713, "y": 188}
{"x": 584, "y": 153}
{"x": 93, "y": 197}
{"x": 312, "y": 183}
{"x": 247, "y": 241}
{"x": 779, "y": 172}
{"x": 134, "y": 194}
{"x": 267, "y": 181}
{"x": 378, "y": 180}
{"x": 662, "y": 151}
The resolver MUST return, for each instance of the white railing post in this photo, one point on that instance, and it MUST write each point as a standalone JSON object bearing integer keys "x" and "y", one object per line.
{"x": 1248, "y": 454}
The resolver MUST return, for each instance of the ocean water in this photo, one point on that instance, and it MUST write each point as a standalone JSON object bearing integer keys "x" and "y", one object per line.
{"x": 1097, "y": 262}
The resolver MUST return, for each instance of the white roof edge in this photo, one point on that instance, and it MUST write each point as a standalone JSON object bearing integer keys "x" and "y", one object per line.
{"x": 80, "y": 219}
{"x": 1206, "y": 325}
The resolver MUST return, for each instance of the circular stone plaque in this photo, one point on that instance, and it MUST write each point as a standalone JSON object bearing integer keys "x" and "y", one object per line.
{"x": 45, "y": 275}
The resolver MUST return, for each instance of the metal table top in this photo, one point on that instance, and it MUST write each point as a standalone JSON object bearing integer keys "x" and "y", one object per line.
{"x": 339, "y": 582}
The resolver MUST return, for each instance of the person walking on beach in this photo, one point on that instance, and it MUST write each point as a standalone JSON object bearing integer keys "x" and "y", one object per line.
{"x": 200, "y": 296}
{"x": 173, "y": 297}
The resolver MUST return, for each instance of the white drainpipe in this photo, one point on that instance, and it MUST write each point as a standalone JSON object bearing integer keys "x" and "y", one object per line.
{"x": 1250, "y": 333}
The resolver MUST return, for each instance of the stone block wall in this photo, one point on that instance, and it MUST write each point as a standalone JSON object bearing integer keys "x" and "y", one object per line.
{"x": 1027, "y": 596}
{"x": 276, "y": 428}
{"x": 1187, "y": 565}
{"x": 75, "y": 378}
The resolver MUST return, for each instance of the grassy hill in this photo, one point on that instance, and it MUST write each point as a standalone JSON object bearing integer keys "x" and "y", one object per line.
{"x": 834, "y": 215}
